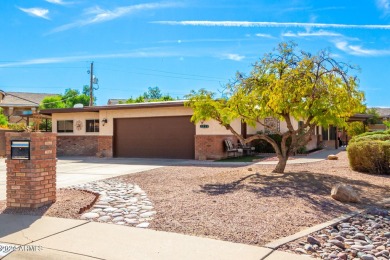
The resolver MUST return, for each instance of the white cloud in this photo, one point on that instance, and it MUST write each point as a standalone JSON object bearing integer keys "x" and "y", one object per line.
{"x": 384, "y": 6}
{"x": 143, "y": 53}
{"x": 358, "y": 50}
{"x": 263, "y": 35}
{"x": 37, "y": 12}
{"x": 274, "y": 24}
{"x": 58, "y": 2}
{"x": 232, "y": 56}
{"x": 320, "y": 33}
{"x": 204, "y": 40}
{"x": 99, "y": 15}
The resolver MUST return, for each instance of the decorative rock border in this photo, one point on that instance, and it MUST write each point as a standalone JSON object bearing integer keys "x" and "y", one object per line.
{"x": 363, "y": 236}
{"x": 118, "y": 203}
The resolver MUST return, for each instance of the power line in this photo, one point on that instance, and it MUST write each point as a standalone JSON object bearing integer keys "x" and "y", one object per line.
{"x": 164, "y": 76}
{"x": 170, "y": 72}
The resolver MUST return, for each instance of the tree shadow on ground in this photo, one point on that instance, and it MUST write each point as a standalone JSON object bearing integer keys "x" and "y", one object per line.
{"x": 314, "y": 188}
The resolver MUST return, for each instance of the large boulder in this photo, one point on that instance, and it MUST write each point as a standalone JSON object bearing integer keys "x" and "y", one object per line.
{"x": 344, "y": 193}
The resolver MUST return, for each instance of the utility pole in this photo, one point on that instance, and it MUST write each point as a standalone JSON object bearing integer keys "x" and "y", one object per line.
{"x": 91, "y": 86}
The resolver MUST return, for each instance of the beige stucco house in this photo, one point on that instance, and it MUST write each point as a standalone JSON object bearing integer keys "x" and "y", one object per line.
{"x": 155, "y": 130}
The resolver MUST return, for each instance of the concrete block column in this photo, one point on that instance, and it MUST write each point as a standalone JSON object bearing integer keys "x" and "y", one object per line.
{"x": 32, "y": 183}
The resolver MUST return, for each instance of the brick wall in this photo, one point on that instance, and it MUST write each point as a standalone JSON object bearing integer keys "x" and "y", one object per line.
{"x": 77, "y": 145}
{"x": 211, "y": 146}
{"x": 32, "y": 183}
{"x": 2, "y": 141}
{"x": 105, "y": 146}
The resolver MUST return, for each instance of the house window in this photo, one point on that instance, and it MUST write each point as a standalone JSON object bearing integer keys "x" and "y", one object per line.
{"x": 332, "y": 133}
{"x": 65, "y": 126}
{"x": 325, "y": 132}
{"x": 92, "y": 125}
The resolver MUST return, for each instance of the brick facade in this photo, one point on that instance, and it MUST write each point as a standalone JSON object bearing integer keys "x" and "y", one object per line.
{"x": 84, "y": 145}
{"x": 73, "y": 145}
{"x": 211, "y": 146}
{"x": 32, "y": 183}
{"x": 105, "y": 146}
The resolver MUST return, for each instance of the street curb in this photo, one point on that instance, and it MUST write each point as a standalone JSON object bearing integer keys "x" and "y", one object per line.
{"x": 279, "y": 242}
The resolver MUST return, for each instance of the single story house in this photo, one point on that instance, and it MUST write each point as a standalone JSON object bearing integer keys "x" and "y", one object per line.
{"x": 152, "y": 130}
{"x": 19, "y": 106}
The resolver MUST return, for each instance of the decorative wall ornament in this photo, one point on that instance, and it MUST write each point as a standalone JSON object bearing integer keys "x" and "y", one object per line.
{"x": 274, "y": 125}
{"x": 79, "y": 125}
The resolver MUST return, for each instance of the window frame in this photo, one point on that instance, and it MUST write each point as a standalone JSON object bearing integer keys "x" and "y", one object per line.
{"x": 96, "y": 124}
{"x": 64, "y": 130}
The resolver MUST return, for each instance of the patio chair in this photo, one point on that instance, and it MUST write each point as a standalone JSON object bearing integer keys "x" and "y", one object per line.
{"x": 247, "y": 148}
{"x": 231, "y": 149}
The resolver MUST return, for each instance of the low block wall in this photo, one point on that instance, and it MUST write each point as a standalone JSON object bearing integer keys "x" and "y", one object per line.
{"x": 211, "y": 146}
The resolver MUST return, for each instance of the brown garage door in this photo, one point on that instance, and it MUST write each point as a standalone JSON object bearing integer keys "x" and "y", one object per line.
{"x": 154, "y": 137}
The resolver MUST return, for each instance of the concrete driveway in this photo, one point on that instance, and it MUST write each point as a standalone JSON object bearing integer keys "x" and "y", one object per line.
{"x": 76, "y": 170}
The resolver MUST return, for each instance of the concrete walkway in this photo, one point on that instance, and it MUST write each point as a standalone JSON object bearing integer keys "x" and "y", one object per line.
{"x": 310, "y": 158}
{"x": 35, "y": 237}
{"x": 78, "y": 170}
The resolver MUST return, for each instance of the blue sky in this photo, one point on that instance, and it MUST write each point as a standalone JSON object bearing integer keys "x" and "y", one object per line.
{"x": 47, "y": 45}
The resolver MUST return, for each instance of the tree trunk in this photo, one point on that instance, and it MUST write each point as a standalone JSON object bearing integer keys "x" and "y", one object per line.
{"x": 281, "y": 164}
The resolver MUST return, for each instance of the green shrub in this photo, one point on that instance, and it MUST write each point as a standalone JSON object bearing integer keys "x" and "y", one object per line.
{"x": 355, "y": 128}
{"x": 17, "y": 127}
{"x": 372, "y": 136}
{"x": 265, "y": 147}
{"x": 372, "y": 156}
{"x": 3, "y": 118}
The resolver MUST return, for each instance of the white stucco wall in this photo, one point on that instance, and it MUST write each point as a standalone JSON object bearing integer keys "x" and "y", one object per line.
{"x": 216, "y": 129}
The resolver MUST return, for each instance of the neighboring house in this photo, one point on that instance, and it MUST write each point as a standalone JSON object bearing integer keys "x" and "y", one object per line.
{"x": 114, "y": 101}
{"x": 153, "y": 130}
{"x": 19, "y": 106}
{"x": 384, "y": 114}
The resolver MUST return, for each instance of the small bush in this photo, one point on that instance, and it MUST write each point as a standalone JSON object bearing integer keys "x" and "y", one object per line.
{"x": 372, "y": 156}
{"x": 372, "y": 136}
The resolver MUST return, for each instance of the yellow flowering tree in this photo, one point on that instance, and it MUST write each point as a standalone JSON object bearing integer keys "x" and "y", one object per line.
{"x": 285, "y": 84}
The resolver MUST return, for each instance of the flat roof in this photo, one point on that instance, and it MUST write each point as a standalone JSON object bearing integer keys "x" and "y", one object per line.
{"x": 176, "y": 103}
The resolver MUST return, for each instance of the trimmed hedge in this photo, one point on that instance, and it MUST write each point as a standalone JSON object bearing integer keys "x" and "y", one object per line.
{"x": 372, "y": 136}
{"x": 372, "y": 156}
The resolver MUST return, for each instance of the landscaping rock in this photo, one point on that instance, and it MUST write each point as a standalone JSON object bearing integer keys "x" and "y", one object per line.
{"x": 143, "y": 225}
{"x": 344, "y": 193}
{"x": 119, "y": 203}
{"x": 332, "y": 157}
{"x": 313, "y": 241}
{"x": 89, "y": 215}
{"x": 355, "y": 238}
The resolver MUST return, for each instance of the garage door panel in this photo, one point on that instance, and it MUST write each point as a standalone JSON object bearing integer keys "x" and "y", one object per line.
{"x": 158, "y": 137}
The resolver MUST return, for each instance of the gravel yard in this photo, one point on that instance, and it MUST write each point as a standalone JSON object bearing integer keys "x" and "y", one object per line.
{"x": 247, "y": 204}
{"x": 252, "y": 206}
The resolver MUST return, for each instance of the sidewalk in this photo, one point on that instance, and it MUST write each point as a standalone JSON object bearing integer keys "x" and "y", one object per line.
{"x": 56, "y": 238}
{"x": 313, "y": 157}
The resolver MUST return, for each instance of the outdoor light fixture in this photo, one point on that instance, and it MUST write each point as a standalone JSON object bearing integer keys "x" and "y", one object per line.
{"x": 104, "y": 121}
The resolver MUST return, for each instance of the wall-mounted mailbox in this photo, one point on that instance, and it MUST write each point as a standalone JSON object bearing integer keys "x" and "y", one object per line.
{"x": 20, "y": 150}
